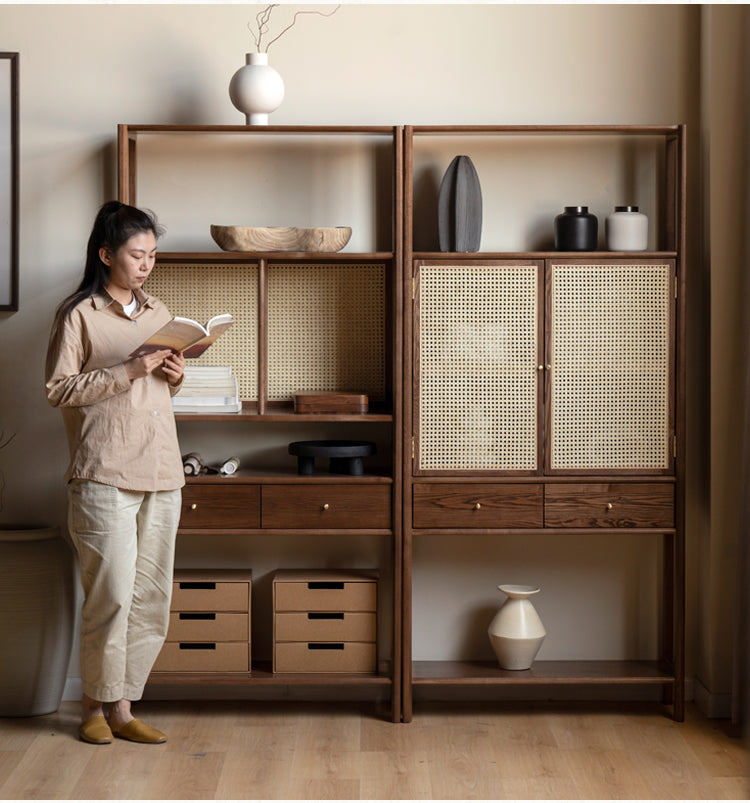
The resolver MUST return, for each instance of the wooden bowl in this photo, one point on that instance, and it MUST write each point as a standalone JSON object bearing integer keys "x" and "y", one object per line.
{"x": 280, "y": 238}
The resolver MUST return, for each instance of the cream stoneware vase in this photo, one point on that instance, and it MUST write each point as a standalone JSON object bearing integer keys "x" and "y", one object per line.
{"x": 516, "y": 632}
{"x": 256, "y": 89}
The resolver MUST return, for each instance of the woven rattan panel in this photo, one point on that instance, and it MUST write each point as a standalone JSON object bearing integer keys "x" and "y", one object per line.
{"x": 610, "y": 366}
{"x": 326, "y": 329}
{"x": 202, "y": 291}
{"x": 478, "y": 350}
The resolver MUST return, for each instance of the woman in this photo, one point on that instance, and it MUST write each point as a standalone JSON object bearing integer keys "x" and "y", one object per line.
{"x": 125, "y": 471}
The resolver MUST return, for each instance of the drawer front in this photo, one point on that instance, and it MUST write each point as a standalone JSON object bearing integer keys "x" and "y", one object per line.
{"x": 324, "y": 657}
{"x": 478, "y": 505}
{"x": 613, "y": 505}
{"x": 328, "y": 596}
{"x": 210, "y": 596}
{"x": 326, "y": 506}
{"x": 203, "y": 657}
{"x": 325, "y": 626}
{"x": 216, "y": 506}
{"x": 201, "y": 626}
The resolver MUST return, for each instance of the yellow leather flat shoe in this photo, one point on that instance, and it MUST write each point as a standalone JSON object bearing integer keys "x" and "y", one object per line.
{"x": 95, "y": 731}
{"x": 137, "y": 731}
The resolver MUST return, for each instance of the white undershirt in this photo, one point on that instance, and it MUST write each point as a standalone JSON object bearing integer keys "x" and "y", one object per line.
{"x": 131, "y": 307}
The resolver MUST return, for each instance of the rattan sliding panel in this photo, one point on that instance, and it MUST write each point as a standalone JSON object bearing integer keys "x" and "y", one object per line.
{"x": 202, "y": 291}
{"x": 610, "y": 357}
{"x": 326, "y": 329}
{"x": 478, "y": 352}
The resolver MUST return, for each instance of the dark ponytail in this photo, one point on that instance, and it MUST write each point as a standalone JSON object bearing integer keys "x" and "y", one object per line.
{"x": 114, "y": 225}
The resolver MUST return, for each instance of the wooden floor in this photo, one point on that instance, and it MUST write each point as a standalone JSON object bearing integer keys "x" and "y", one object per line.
{"x": 292, "y": 750}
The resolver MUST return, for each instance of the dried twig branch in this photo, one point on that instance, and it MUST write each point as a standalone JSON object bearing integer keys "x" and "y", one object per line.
{"x": 263, "y": 18}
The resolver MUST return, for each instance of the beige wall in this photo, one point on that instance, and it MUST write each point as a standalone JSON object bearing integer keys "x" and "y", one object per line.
{"x": 86, "y": 68}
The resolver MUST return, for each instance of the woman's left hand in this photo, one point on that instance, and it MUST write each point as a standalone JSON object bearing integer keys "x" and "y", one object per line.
{"x": 174, "y": 367}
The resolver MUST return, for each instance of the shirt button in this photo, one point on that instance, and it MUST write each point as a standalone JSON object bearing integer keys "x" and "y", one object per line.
{"x": 156, "y": 412}
{"x": 149, "y": 380}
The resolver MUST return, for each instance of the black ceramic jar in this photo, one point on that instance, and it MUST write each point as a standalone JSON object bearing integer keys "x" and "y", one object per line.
{"x": 576, "y": 230}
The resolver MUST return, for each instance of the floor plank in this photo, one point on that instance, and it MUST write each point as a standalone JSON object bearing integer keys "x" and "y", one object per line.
{"x": 342, "y": 751}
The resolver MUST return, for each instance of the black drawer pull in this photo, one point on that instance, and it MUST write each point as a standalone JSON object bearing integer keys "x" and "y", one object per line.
{"x": 331, "y": 585}
{"x": 197, "y": 646}
{"x": 208, "y": 586}
{"x": 339, "y": 616}
{"x": 339, "y": 646}
{"x": 202, "y": 616}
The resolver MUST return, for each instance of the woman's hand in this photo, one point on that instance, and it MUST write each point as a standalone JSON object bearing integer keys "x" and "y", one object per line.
{"x": 139, "y": 367}
{"x": 174, "y": 367}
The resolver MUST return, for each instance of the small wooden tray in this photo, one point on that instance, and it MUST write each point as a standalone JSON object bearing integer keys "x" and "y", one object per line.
{"x": 324, "y": 401}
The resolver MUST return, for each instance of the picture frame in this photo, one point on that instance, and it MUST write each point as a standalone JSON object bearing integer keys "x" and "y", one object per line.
{"x": 9, "y": 181}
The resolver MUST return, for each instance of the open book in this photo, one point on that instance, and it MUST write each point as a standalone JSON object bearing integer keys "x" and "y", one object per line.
{"x": 185, "y": 335}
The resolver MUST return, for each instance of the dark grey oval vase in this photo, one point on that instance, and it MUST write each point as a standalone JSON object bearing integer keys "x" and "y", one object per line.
{"x": 460, "y": 207}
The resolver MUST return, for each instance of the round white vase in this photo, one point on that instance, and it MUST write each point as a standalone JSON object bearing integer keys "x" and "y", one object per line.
{"x": 516, "y": 632}
{"x": 256, "y": 89}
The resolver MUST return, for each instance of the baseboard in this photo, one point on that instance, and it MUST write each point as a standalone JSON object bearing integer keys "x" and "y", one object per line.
{"x": 713, "y": 705}
{"x": 73, "y": 690}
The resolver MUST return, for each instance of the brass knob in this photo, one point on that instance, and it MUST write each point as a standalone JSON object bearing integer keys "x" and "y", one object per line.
{"x": 325, "y": 506}
{"x": 609, "y": 506}
{"x": 549, "y": 367}
{"x": 540, "y": 368}
{"x": 478, "y": 506}
{"x": 193, "y": 506}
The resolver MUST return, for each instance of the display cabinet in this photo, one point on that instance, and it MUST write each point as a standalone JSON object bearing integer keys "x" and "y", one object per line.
{"x": 545, "y": 390}
{"x": 304, "y": 321}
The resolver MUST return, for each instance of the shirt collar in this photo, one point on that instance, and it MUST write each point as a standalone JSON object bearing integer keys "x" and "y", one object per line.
{"x": 104, "y": 299}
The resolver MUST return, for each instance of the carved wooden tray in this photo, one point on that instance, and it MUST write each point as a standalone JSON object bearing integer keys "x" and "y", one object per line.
{"x": 280, "y": 238}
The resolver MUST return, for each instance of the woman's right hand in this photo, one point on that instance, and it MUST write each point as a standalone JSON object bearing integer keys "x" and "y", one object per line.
{"x": 139, "y": 367}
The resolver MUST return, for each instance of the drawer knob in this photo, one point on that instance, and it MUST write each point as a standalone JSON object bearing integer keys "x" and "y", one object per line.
{"x": 609, "y": 506}
{"x": 193, "y": 506}
{"x": 325, "y": 506}
{"x": 478, "y": 506}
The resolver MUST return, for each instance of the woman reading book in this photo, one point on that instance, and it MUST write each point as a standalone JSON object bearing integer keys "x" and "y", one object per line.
{"x": 125, "y": 473}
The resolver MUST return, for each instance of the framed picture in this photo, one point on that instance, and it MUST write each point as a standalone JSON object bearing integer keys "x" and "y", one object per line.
{"x": 8, "y": 181}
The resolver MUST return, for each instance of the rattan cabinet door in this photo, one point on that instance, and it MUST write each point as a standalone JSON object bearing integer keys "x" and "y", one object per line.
{"x": 477, "y": 400}
{"x": 610, "y": 366}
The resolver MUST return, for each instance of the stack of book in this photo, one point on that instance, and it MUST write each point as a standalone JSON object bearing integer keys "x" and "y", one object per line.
{"x": 208, "y": 389}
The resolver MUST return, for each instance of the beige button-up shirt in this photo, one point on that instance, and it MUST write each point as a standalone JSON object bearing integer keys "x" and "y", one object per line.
{"x": 120, "y": 432}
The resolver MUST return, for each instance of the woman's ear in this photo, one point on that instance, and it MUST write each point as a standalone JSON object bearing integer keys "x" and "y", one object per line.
{"x": 105, "y": 255}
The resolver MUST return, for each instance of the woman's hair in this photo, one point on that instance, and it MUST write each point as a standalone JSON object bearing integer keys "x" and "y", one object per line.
{"x": 114, "y": 225}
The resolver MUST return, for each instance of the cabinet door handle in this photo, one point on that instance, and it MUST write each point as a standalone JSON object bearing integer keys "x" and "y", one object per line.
{"x": 540, "y": 368}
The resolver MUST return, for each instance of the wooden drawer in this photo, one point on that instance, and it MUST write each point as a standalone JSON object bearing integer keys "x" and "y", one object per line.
{"x": 202, "y": 626}
{"x": 325, "y": 626}
{"x": 200, "y": 593}
{"x": 326, "y": 506}
{"x": 490, "y": 505}
{"x": 214, "y": 506}
{"x": 306, "y": 591}
{"x": 204, "y": 657}
{"x": 613, "y": 505}
{"x": 324, "y": 657}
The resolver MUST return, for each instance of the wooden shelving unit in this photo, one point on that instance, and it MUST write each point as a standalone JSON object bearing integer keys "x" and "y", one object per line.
{"x": 250, "y": 503}
{"x": 541, "y": 493}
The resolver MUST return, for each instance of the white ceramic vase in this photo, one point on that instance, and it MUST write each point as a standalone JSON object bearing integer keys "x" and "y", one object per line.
{"x": 256, "y": 89}
{"x": 516, "y": 632}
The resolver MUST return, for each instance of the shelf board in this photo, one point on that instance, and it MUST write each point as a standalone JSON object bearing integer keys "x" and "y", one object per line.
{"x": 487, "y": 673}
{"x": 261, "y": 675}
{"x": 252, "y": 257}
{"x": 584, "y": 255}
{"x": 247, "y": 476}
{"x": 284, "y": 413}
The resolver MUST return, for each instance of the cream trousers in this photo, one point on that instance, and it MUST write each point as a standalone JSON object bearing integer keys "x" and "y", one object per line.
{"x": 125, "y": 543}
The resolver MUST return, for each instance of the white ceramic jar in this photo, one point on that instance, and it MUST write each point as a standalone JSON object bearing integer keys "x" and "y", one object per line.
{"x": 627, "y": 229}
{"x": 516, "y": 633}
